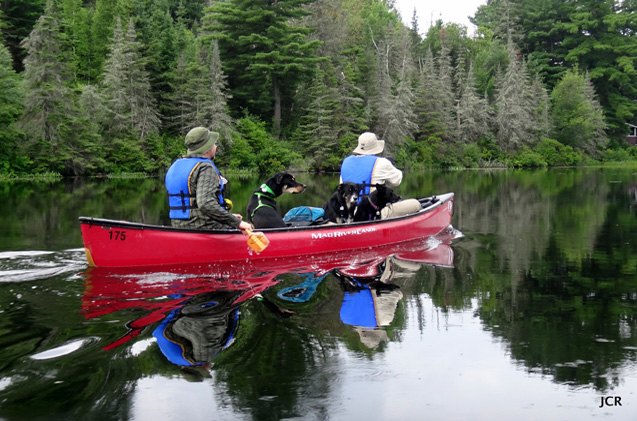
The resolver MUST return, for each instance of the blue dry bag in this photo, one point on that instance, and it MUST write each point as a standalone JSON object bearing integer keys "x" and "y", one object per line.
{"x": 304, "y": 215}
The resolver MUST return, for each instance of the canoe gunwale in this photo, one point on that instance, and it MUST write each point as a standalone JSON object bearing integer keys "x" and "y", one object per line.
{"x": 442, "y": 198}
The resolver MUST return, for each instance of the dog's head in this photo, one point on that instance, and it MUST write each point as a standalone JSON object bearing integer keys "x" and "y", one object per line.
{"x": 347, "y": 194}
{"x": 383, "y": 195}
{"x": 284, "y": 182}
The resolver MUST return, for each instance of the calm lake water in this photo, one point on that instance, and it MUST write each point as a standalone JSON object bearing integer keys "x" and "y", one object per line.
{"x": 526, "y": 310}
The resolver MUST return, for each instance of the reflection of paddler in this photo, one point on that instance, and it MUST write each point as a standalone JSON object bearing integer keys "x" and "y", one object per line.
{"x": 204, "y": 327}
{"x": 369, "y": 304}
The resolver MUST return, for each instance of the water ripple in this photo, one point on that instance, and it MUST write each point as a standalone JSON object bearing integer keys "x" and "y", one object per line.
{"x": 31, "y": 265}
{"x": 63, "y": 349}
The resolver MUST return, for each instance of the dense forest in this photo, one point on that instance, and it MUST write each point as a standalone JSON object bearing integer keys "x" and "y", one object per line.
{"x": 111, "y": 86}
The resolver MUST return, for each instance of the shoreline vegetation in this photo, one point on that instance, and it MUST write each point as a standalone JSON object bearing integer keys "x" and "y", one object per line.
{"x": 246, "y": 174}
{"x": 109, "y": 88}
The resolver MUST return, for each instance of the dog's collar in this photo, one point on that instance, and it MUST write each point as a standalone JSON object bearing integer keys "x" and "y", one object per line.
{"x": 266, "y": 189}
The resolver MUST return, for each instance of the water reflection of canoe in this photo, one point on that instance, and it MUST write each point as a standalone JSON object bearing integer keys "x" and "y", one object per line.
{"x": 112, "y": 243}
{"x": 170, "y": 296}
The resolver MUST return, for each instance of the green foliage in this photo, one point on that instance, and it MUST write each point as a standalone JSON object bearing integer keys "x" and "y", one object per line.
{"x": 126, "y": 87}
{"x": 10, "y": 109}
{"x": 318, "y": 73}
{"x": 126, "y": 156}
{"x": 618, "y": 155}
{"x": 256, "y": 148}
{"x": 528, "y": 158}
{"x": 556, "y": 154}
{"x": 18, "y": 21}
{"x": 265, "y": 50}
{"x": 577, "y": 116}
{"x": 471, "y": 155}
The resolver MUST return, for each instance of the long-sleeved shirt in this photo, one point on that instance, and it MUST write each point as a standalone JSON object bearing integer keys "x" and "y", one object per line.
{"x": 384, "y": 172}
{"x": 209, "y": 214}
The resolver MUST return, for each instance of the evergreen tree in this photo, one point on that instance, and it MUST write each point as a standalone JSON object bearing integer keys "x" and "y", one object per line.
{"x": 446, "y": 94}
{"x": 126, "y": 87}
{"x": 577, "y": 115}
{"x": 394, "y": 102}
{"x": 264, "y": 52}
{"x": 103, "y": 19}
{"x": 513, "y": 112}
{"x": 19, "y": 18}
{"x": 159, "y": 37}
{"x": 214, "y": 95}
{"x": 10, "y": 110}
{"x": 76, "y": 28}
{"x": 319, "y": 136}
{"x": 350, "y": 119}
{"x": 85, "y": 138}
{"x": 430, "y": 114}
{"x": 604, "y": 43}
{"x": 201, "y": 93}
{"x": 47, "y": 106}
{"x": 472, "y": 112}
{"x": 541, "y": 108}
{"x": 597, "y": 36}
{"x": 182, "y": 98}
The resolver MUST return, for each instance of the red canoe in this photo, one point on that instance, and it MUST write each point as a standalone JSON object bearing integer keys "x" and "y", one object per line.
{"x": 110, "y": 243}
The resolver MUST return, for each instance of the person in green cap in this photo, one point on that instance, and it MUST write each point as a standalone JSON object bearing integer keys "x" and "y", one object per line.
{"x": 195, "y": 187}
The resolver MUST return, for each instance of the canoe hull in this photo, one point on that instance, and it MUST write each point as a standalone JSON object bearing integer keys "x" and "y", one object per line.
{"x": 111, "y": 243}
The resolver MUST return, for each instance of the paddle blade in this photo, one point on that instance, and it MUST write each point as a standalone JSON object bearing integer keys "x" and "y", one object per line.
{"x": 257, "y": 241}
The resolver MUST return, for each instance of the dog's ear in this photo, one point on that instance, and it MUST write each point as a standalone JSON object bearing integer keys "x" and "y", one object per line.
{"x": 279, "y": 177}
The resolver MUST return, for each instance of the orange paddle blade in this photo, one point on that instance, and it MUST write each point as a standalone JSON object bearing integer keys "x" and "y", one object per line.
{"x": 257, "y": 241}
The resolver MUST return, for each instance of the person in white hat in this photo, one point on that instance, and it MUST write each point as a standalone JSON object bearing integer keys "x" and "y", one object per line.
{"x": 366, "y": 167}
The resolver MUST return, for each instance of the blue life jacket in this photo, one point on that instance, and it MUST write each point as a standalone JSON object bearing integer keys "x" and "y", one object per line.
{"x": 175, "y": 352}
{"x": 358, "y": 308}
{"x": 180, "y": 199}
{"x": 358, "y": 169}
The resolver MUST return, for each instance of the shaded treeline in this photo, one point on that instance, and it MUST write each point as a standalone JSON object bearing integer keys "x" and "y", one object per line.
{"x": 101, "y": 86}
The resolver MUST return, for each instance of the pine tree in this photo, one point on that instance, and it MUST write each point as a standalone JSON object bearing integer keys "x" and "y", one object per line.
{"x": 350, "y": 118}
{"x": 394, "y": 101}
{"x": 200, "y": 92}
{"x": 47, "y": 106}
{"x": 214, "y": 96}
{"x": 429, "y": 109}
{"x": 10, "y": 110}
{"x": 266, "y": 54}
{"x": 541, "y": 108}
{"x": 126, "y": 87}
{"x": 75, "y": 26}
{"x": 446, "y": 95}
{"x": 319, "y": 130}
{"x": 102, "y": 22}
{"x": 472, "y": 112}
{"x": 19, "y": 18}
{"x": 159, "y": 37}
{"x": 514, "y": 121}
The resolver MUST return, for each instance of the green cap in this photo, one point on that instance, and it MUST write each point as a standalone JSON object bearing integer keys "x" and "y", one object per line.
{"x": 200, "y": 140}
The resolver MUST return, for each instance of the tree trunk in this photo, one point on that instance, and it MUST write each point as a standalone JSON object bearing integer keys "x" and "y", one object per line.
{"x": 276, "y": 121}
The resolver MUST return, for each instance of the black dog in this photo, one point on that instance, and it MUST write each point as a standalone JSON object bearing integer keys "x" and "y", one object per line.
{"x": 370, "y": 206}
{"x": 262, "y": 210}
{"x": 341, "y": 205}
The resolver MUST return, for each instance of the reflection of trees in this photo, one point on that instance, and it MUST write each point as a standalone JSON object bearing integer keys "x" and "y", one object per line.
{"x": 277, "y": 358}
{"x": 44, "y": 215}
{"x": 555, "y": 271}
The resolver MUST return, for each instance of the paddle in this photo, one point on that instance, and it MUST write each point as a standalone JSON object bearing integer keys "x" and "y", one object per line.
{"x": 257, "y": 241}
